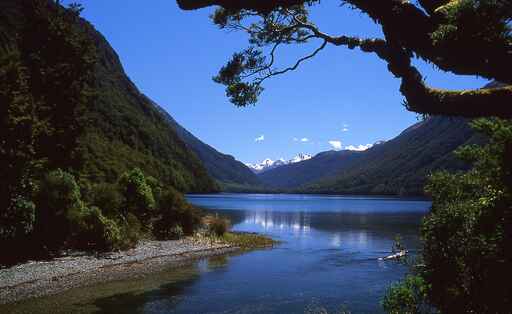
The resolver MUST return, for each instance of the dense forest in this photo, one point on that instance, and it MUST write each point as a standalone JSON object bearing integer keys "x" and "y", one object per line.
{"x": 86, "y": 157}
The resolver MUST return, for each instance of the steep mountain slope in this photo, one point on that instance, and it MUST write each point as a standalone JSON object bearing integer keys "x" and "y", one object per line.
{"x": 224, "y": 168}
{"x": 128, "y": 125}
{"x": 398, "y": 166}
{"x": 121, "y": 129}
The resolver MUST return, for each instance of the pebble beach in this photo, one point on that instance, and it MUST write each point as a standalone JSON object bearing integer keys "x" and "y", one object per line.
{"x": 42, "y": 278}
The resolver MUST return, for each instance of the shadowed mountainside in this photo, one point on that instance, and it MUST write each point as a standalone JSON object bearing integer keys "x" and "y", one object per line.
{"x": 228, "y": 171}
{"x": 121, "y": 129}
{"x": 398, "y": 166}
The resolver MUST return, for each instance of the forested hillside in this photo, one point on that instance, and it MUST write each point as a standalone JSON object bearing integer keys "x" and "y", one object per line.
{"x": 228, "y": 171}
{"x": 87, "y": 161}
{"x": 399, "y": 166}
{"x": 118, "y": 129}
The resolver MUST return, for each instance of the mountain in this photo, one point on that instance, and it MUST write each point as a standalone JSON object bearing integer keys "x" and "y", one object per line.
{"x": 398, "y": 166}
{"x": 224, "y": 168}
{"x": 268, "y": 164}
{"x": 121, "y": 129}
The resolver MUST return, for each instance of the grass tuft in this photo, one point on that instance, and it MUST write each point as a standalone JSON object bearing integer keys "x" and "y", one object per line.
{"x": 246, "y": 240}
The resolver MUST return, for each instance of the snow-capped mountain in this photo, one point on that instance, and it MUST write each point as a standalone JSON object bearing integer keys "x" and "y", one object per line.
{"x": 300, "y": 157}
{"x": 268, "y": 163}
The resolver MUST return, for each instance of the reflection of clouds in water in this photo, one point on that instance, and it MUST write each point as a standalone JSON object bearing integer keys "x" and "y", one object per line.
{"x": 336, "y": 240}
{"x": 352, "y": 239}
{"x": 298, "y": 223}
{"x": 357, "y": 238}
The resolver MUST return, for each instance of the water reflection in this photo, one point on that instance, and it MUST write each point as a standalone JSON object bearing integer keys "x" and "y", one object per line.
{"x": 328, "y": 256}
{"x": 343, "y": 229}
{"x": 298, "y": 222}
{"x": 156, "y": 293}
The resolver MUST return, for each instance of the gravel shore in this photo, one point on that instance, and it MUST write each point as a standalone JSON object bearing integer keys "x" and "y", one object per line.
{"x": 41, "y": 278}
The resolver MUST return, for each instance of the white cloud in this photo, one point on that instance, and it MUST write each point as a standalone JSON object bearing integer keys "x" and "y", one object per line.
{"x": 359, "y": 147}
{"x": 345, "y": 129}
{"x": 260, "y": 138}
{"x": 295, "y": 139}
{"x": 304, "y": 139}
{"x": 336, "y": 145}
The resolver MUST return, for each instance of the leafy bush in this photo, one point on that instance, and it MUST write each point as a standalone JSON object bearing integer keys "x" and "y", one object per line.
{"x": 17, "y": 221}
{"x": 466, "y": 235}
{"x": 97, "y": 232}
{"x": 156, "y": 188}
{"x": 131, "y": 230}
{"x": 175, "y": 212}
{"x": 248, "y": 240}
{"x": 108, "y": 198}
{"x": 59, "y": 205}
{"x": 217, "y": 226}
{"x": 407, "y": 297}
{"x": 139, "y": 199}
{"x": 174, "y": 232}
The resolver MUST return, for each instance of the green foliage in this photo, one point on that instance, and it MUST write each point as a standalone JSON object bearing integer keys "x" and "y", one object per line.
{"x": 407, "y": 297}
{"x": 466, "y": 22}
{"x": 217, "y": 226}
{"x": 139, "y": 199}
{"x": 107, "y": 197}
{"x": 58, "y": 207}
{"x": 175, "y": 212}
{"x": 171, "y": 233}
{"x": 95, "y": 231}
{"x": 66, "y": 103}
{"x": 246, "y": 70}
{"x": 44, "y": 81}
{"x": 467, "y": 233}
{"x": 17, "y": 150}
{"x": 131, "y": 230}
{"x": 17, "y": 221}
{"x": 247, "y": 240}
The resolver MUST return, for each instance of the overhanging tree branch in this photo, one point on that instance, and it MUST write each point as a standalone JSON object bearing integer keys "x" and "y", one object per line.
{"x": 452, "y": 34}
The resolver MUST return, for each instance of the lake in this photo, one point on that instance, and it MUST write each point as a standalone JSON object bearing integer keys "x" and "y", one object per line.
{"x": 327, "y": 259}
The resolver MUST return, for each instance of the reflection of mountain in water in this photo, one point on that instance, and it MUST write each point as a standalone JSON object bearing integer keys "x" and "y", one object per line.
{"x": 298, "y": 222}
{"x": 303, "y": 221}
{"x": 163, "y": 291}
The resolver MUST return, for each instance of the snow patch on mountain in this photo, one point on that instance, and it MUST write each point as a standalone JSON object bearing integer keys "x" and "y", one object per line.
{"x": 268, "y": 163}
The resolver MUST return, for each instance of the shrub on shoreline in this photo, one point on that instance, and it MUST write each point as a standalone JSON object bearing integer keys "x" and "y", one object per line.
{"x": 217, "y": 226}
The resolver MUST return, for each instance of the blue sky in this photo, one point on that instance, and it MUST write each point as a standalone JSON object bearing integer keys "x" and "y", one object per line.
{"x": 171, "y": 55}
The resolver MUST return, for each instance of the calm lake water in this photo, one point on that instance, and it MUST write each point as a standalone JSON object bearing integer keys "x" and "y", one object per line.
{"x": 328, "y": 259}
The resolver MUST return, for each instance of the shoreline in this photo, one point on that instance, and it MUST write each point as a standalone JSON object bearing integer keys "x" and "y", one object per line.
{"x": 44, "y": 278}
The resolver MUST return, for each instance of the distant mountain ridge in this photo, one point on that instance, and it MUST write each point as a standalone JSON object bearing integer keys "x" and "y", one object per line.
{"x": 268, "y": 164}
{"x": 398, "y": 166}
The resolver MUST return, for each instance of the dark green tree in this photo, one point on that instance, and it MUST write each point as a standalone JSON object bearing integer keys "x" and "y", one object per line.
{"x": 468, "y": 233}
{"x": 20, "y": 128}
{"x": 59, "y": 208}
{"x": 138, "y": 195}
{"x": 175, "y": 215}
